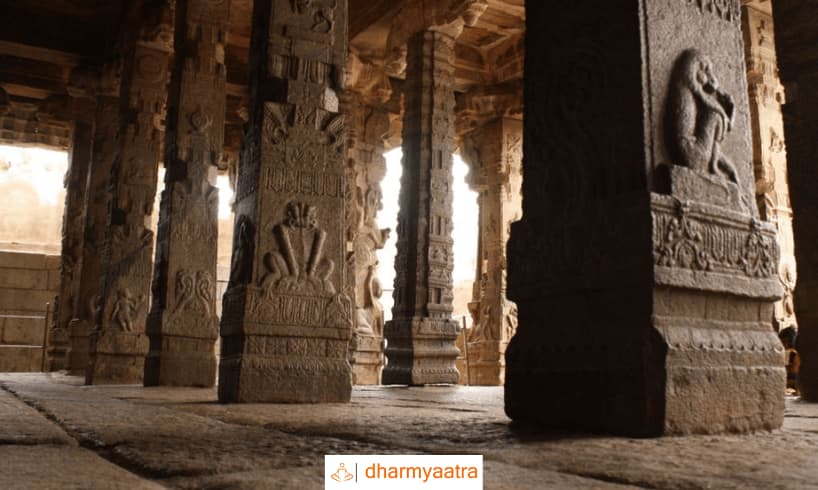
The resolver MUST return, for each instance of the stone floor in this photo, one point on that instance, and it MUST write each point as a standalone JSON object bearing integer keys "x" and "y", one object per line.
{"x": 56, "y": 433}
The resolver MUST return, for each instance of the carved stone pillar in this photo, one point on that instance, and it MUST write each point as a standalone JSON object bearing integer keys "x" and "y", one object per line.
{"x": 105, "y": 143}
{"x": 495, "y": 154}
{"x": 421, "y": 335}
{"x": 644, "y": 280}
{"x": 286, "y": 321}
{"x": 366, "y": 168}
{"x": 769, "y": 153}
{"x": 182, "y": 325}
{"x": 798, "y": 59}
{"x": 76, "y": 179}
{"x": 118, "y": 342}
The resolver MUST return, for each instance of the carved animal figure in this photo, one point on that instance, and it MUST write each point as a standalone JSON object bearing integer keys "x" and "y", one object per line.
{"x": 699, "y": 116}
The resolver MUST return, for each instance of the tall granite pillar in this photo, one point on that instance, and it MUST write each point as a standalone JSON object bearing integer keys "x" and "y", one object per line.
{"x": 769, "y": 149}
{"x": 286, "y": 322}
{"x": 795, "y": 23}
{"x": 366, "y": 168}
{"x": 182, "y": 325}
{"x": 421, "y": 335}
{"x": 76, "y": 178}
{"x": 118, "y": 342}
{"x": 495, "y": 154}
{"x": 96, "y": 216}
{"x": 644, "y": 280}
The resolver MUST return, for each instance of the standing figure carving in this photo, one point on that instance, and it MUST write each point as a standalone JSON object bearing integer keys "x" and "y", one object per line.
{"x": 699, "y": 117}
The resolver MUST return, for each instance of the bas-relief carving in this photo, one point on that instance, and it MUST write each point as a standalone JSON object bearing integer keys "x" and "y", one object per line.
{"x": 127, "y": 309}
{"x": 699, "y": 117}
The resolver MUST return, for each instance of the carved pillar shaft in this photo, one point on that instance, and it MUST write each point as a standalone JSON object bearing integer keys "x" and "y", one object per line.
{"x": 118, "y": 342}
{"x": 76, "y": 179}
{"x": 105, "y": 142}
{"x": 769, "y": 152}
{"x": 286, "y": 322}
{"x": 182, "y": 325}
{"x": 365, "y": 170}
{"x": 421, "y": 335}
{"x": 644, "y": 280}
{"x": 498, "y": 149}
{"x": 798, "y": 60}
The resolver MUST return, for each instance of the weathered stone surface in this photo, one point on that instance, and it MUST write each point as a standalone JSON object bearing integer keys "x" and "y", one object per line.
{"x": 797, "y": 57}
{"x": 118, "y": 341}
{"x": 195, "y": 442}
{"x": 495, "y": 153}
{"x": 593, "y": 336}
{"x": 286, "y": 320}
{"x": 421, "y": 335}
{"x": 182, "y": 325}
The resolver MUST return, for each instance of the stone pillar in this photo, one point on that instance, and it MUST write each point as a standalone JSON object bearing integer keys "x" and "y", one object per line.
{"x": 644, "y": 280}
{"x": 105, "y": 143}
{"x": 76, "y": 179}
{"x": 286, "y": 322}
{"x": 366, "y": 168}
{"x": 182, "y": 325}
{"x": 421, "y": 335}
{"x": 769, "y": 152}
{"x": 118, "y": 342}
{"x": 495, "y": 154}
{"x": 798, "y": 59}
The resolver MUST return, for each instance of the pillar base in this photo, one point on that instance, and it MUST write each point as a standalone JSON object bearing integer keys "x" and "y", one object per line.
{"x": 487, "y": 363}
{"x": 284, "y": 348}
{"x": 182, "y": 361}
{"x": 680, "y": 344}
{"x": 80, "y": 332}
{"x": 421, "y": 351}
{"x": 367, "y": 359}
{"x": 58, "y": 349}
{"x": 119, "y": 358}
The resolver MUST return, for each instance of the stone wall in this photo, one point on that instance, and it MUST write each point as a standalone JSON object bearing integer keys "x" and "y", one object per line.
{"x": 27, "y": 283}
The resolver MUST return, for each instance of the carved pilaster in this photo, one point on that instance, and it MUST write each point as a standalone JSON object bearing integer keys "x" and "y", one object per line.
{"x": 118, "y": 342}
{"x": 182, "y": 325}
{"x": 798, "y": 59}
{"x": 495, "y": 156}
{"x": 286, "y": 319}
{"x": 421, "y": 335}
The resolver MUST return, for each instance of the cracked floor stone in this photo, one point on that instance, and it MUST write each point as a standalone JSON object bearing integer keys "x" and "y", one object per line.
{"x": 182, "y": 438}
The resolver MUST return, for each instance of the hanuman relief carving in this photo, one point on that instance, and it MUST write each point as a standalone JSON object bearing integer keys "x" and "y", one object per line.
{"x": 699, "y": 117}
{"x": 299, "y": 264}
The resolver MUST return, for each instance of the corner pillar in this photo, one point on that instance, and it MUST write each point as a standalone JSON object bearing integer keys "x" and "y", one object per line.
{"x": 644, "y": 280}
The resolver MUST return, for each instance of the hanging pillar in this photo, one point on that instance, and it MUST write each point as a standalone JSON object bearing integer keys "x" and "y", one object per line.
{"x": 286, "y": 322}
{"x": 366, "y": 168}
{"x": 76, "y": 179}
{"x": 644, "y": 280}
{"x": 118, "y": 342}
{"x": 421, "y": 335}
{"x": 495, "y": 152}
{"x": 798, "y": 59}
{"x": 105, "y": 142}
{"x": 183, "y": 326}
